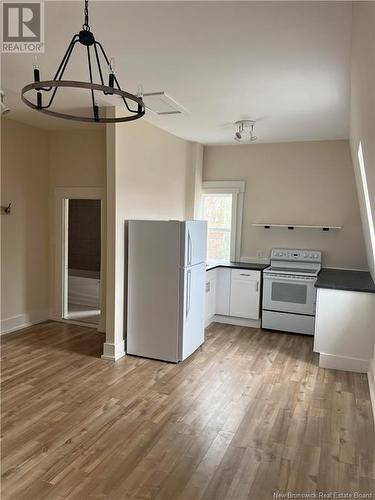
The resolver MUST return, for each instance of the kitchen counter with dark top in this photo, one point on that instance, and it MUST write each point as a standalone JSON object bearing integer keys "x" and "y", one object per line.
{"x": 237, "y": 265}
{"x": 342, "y": 279}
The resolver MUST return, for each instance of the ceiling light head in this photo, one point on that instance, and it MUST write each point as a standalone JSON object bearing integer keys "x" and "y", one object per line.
{"x": 97, "y": 63}
{"x": 245, "y": 131}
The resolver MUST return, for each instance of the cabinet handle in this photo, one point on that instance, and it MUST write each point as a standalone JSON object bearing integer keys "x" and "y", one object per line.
{"x": 257, "y": 288}
{"x": 241, "y": 274}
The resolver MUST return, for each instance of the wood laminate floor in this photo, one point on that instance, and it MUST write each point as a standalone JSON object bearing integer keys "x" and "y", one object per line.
{"x": 247, "y": 415}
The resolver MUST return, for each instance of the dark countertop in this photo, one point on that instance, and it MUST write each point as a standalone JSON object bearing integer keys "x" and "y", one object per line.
{"x": 342, "y": 279}
{"x": 237, "y": 265}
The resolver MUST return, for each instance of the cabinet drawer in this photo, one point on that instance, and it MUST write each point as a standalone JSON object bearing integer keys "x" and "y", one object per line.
{"x": 245, "y": 274}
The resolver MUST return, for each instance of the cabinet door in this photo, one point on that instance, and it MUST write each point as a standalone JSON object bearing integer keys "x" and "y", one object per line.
{"x": 210, "y": 294}
{"x": 223, "y": 291}
{"x": 212, "y": 302}
{"x": 244, "y": 296}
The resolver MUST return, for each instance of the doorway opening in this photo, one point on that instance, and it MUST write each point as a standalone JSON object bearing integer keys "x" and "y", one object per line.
{"x": 82, "y": 278}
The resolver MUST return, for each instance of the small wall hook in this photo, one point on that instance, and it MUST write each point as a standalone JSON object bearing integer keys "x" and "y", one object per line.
{"x": 6, "y": 210}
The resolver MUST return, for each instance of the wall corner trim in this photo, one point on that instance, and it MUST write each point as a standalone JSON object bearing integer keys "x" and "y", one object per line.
{"x": 113, "y": 352}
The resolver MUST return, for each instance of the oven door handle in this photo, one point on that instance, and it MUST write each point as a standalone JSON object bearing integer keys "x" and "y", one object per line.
{"x": 307, "y": 279}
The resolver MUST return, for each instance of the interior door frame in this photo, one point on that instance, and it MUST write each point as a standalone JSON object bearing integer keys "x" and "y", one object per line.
{"x": 61, "y": 220}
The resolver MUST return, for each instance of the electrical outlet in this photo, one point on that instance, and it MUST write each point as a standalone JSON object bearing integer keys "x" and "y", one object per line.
{"x": 260, "y": 254}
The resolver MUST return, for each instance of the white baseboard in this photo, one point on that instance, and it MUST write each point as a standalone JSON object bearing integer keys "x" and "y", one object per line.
{"x": 371, "y": 384}
{"x": 232, "y": 320}
{"x": 10, "y": 325}
{"x": 343, "y": 363}
{"x": 113, "y": 352}
{"x": 209, "y": 321}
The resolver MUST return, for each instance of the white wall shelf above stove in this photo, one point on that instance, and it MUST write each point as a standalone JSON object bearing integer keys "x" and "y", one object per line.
{"x": 267, "y": 225}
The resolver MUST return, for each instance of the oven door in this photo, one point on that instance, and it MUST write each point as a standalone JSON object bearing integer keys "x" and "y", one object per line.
{"x": 286, "y": 293}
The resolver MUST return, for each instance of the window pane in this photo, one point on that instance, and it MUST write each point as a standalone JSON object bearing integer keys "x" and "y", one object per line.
{"x": 218, "y": 245}
{"x": 217, "y": 210}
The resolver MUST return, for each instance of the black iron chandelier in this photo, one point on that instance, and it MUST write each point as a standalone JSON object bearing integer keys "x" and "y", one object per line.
{"x": 95, "y": 52}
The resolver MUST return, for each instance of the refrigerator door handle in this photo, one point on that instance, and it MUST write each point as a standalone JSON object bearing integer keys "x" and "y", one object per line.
{"x": 189, "y": 248}
{"x": 188, "y": 293}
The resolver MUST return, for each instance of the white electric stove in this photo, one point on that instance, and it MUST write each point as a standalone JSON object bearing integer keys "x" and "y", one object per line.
{"x": 289, "y": 293}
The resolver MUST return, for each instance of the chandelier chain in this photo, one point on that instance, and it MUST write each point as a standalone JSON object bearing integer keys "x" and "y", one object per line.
{"x": 86, "y": 25}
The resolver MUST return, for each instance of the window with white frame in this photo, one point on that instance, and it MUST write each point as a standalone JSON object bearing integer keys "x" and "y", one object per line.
{"x": 222, "y": 203}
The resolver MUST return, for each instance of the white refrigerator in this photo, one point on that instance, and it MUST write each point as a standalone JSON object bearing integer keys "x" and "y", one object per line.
{"x": 166, "y": 268}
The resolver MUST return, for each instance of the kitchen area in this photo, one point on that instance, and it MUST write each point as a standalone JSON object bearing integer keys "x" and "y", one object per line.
{"x": 174, "y": 293}
{"x": 295, "y": 294}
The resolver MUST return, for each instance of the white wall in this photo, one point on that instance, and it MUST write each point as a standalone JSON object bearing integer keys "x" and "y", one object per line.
{"x": 24, "y": 233}
{"x": 362, "y": 112}
{"x": 300, "y": 183}
{"x": 151, "y": 174}
{"x": 362, "y": 127}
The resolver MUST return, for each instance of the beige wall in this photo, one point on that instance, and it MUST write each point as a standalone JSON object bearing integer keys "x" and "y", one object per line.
{"x": 300, "y": 183}
{"x": 194, "y": 182}
{"x": 151, "y": 175}
{"x": 362, "y": 110}
{"x": 77, "y": 159}
{"x": 24, "y": 233}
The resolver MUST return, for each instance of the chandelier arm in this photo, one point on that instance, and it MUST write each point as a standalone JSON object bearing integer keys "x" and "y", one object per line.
{"x": 98, "y": 63}
{"x": 74, "y": 39}
{"x": 66, "y": 58}
{"x": 118, "y": 85}
{"x": 94, "y": 106}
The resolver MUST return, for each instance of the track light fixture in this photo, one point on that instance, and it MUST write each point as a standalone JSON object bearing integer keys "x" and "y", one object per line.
{"x": 245, "y": 131}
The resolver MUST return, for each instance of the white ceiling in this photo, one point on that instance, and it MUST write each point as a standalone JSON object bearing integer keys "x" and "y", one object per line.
{"x": 284, "y": 64}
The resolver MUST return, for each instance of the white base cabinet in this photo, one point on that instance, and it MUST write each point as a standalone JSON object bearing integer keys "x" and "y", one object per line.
{"x": 233, "y": 296}
{"x": 344, "y": 329}
{"x": 244, "y": 294}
